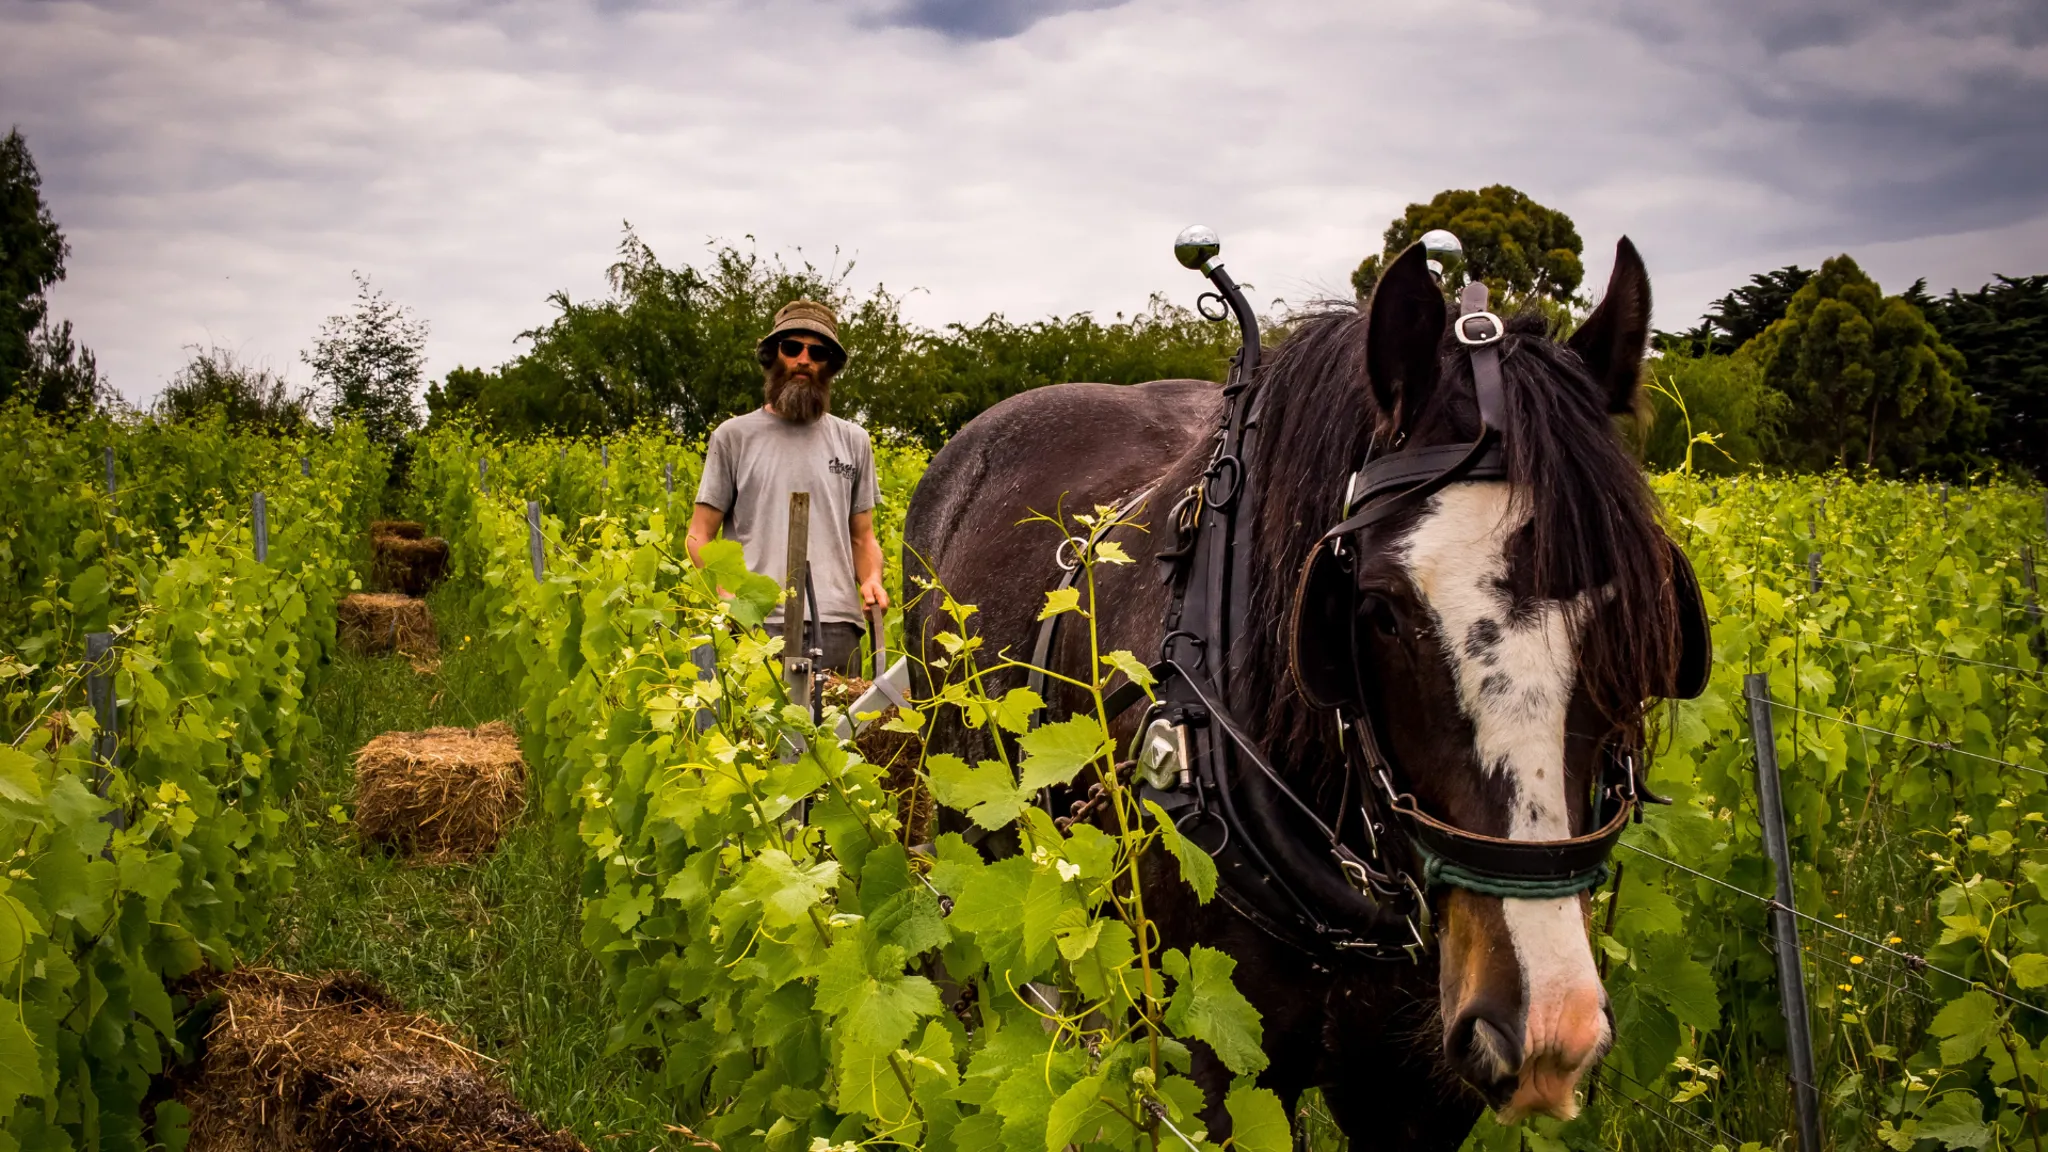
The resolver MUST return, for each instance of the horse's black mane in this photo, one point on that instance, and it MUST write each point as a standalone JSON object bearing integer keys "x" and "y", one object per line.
{"x": 1594, "y": 519}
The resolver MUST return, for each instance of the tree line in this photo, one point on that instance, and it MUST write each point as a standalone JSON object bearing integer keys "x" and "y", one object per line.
{"x": 1809, "y": 369}
{"x": 674, "y": 345}
{"x": 1803, "y": 369}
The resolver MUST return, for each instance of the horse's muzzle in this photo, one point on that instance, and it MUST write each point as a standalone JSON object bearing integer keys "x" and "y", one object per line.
{"x": 1486, "y": 1050}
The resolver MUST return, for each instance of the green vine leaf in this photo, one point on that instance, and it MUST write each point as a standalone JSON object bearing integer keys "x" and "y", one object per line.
{"x": 1956, "y": 1119}
{"x": 1197, "y": 867}
{"x": 1257, "y": 1121}
{"x": 987, "y": 792}
{"x": 1055, "y": 753}
{"x": 1207, "y": 1006}
{"x": 1966, "y": 1026}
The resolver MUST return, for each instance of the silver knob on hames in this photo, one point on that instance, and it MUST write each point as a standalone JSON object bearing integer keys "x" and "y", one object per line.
{"x": 1196, "y": 245}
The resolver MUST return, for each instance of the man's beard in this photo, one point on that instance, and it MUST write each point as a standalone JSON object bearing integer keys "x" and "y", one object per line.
{"x": 798, "y": 397}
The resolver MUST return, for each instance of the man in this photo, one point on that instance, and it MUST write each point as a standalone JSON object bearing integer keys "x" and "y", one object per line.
{"x": 793, "y": 443}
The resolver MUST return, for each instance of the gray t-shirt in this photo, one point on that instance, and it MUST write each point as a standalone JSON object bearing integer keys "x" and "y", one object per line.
{"x": 752, "y": 465}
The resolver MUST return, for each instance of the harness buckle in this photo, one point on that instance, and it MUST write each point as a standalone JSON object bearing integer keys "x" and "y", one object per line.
{"x": 1354, "y": 871}
{"x": 1188, "y": 511}
{"x": 1493, "y": 334}
{"x": 1421, "y": 926}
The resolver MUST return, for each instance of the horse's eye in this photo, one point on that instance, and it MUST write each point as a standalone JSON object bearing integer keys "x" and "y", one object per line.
{"x": 1378, "y": 614}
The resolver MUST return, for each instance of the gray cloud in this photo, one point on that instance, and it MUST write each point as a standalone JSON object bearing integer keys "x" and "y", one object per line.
{"x": 983, "y": 19}
{"x": 220, "y": 169}
{"x": 1877, "y": 114}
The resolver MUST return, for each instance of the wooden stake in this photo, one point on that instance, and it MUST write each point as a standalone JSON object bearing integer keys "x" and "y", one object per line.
{"x": 796, "y": 661}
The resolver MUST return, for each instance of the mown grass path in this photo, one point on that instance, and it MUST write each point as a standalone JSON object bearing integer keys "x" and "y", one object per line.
{"x": 491, "y": 948}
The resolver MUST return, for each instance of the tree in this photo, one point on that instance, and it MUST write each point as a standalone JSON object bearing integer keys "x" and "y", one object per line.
{"x": 62, "y": 375}
{"x": 1519, "y": 247}
{"x": 671, "y": 345}
{"x": 39, "y": 361}
{"x": 251, "y": 395}
{"x": 676, "y": 345}
{"x": 32, "y": 252}
{"x": 1724, "y": 398}
{"x": 947, "y": 378}
{"x": 1870, "y": 382}
{"x": 369, "y": 363}
{"x": 1741, "y": 315}
{"x": 2002, "y": 332}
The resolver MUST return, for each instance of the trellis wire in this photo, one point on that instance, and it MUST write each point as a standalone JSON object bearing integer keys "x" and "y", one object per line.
{"x": 1912, "y": 593}
{"x": 1862, "y": 972}
{"x": 1660, "y": 1111}
{"x": 1914, "y": 961}
{"x": 1832, "y": 638}
{"x": 1937, "y": 745}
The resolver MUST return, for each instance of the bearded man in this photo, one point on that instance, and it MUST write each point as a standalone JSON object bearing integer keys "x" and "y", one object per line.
{"x": 793, "y": 443}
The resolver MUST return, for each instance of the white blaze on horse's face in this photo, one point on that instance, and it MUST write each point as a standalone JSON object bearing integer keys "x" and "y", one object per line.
{"x": 1515, "y": 673}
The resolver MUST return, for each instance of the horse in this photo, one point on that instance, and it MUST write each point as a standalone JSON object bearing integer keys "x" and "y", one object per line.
{"x": 1503, "y": 635}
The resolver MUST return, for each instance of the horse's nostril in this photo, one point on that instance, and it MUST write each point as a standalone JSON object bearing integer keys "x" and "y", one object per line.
{"x": 1486, "y": 1054}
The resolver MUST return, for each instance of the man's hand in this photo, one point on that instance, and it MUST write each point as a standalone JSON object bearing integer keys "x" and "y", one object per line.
{"x": 872, "y": 594}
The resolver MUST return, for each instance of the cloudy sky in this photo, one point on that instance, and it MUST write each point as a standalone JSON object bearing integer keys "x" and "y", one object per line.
{"x": 221, "y": 166}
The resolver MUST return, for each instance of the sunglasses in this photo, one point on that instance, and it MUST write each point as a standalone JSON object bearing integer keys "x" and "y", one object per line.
{"x": 795, "y": 349}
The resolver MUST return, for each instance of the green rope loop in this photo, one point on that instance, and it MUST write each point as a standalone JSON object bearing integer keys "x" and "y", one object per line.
{"x": 1438, "y": 872}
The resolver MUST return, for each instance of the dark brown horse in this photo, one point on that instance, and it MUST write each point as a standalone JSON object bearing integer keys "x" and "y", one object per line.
{"x": 1506, "y": 633}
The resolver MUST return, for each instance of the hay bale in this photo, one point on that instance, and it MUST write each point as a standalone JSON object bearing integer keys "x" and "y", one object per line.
{"x": 387, "y": 622}
{"x": 897, "y": 753}
{"x": 403, "y": 529}
{"x": 308, "y": 1064}
{"x": 408, "y": 565}
{"x": 446, "y": 794}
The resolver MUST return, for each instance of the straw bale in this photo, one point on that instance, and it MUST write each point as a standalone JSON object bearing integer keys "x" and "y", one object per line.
{"x": 408, "y": 565}
{"x": 897, "y": 753}
{"x": 404, "y": 529}
{"x": 446, "y": 794}
{"x": 330, "y": 1063}
{"x": 387, "y": 622}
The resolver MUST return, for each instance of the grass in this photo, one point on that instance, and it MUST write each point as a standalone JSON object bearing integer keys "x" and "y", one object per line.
{"x": 493, "y": 948}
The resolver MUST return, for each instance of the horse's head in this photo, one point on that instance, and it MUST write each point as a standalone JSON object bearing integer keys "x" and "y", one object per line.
{"x": 1505, "y": 635}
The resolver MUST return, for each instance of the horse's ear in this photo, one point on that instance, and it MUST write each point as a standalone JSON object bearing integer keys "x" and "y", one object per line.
{"x": 1613, "y": 339}
{"x": 1404, "y": 331}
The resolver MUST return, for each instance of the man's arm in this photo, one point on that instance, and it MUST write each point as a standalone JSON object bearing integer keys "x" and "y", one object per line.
{"x": 867, "y": 559}
{"x": 705, "y": 521}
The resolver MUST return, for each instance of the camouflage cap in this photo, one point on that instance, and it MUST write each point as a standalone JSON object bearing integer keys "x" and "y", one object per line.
{"x": 807, "y": 316}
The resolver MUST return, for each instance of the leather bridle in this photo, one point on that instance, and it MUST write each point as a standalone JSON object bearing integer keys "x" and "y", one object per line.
{"x": 1329, "y": 896}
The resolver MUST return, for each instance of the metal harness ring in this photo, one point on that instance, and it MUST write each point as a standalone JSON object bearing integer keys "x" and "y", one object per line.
{"x": 1073, "y": 545}
{"x": 1217, "y": 469}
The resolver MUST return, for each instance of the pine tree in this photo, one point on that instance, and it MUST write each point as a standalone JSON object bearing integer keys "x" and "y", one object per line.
{"x": 1870, "y": 381}
{"x": 39, "y": 361}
